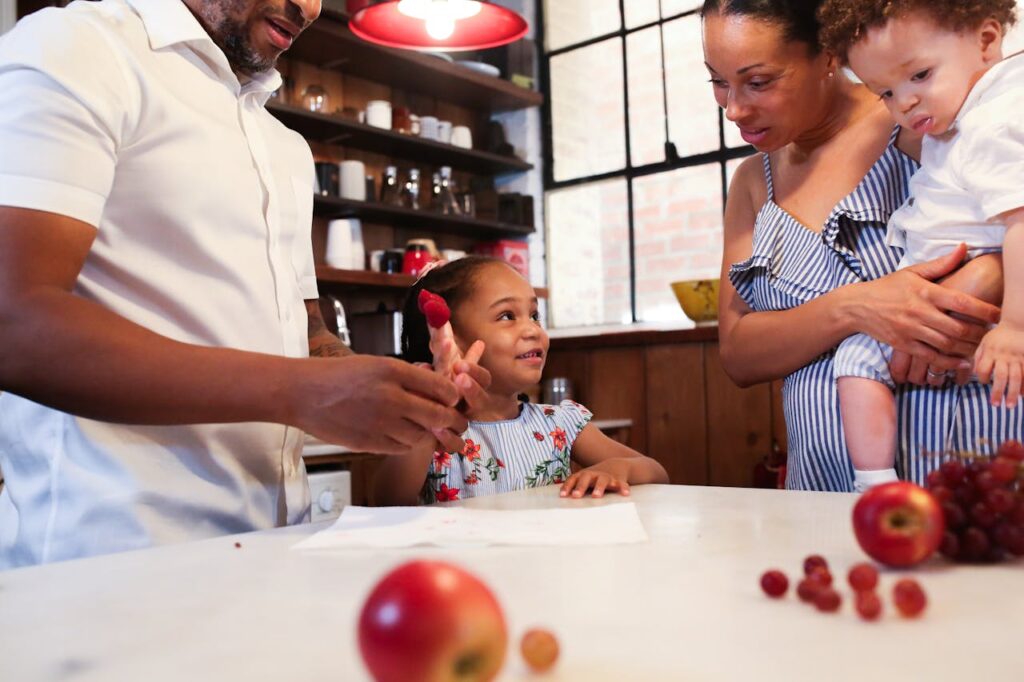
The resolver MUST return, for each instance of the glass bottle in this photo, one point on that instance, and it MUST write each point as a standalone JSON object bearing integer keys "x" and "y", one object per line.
{"x": 411, "y": 189}
{"x": 390, "y": 193}
{"x": 444, "y": 200}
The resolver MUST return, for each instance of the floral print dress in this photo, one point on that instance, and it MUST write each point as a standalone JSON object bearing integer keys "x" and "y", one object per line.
{"x": 529, "y": 451}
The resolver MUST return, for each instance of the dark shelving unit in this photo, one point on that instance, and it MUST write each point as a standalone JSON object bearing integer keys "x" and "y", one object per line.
{"x": 337, "y": 130}
{"x": 353, "y": 280}
{"x": 374, "y": 212}
{"x": 330, "y": 44}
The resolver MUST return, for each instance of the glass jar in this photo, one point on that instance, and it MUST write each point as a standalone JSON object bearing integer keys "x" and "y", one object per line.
{"x": 315, "y": 98}
{"x": 411, "y": 190}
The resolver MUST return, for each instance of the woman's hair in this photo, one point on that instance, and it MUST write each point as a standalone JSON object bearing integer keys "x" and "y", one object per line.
{"x": 454, "y": 283}
{"x": 844, "y": 22}
{"x": 798, "y": 18}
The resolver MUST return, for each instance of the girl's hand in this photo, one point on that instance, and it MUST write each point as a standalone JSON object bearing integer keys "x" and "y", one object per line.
{"x": 1000, "y": 358}
{"x": 909, "y": 312}
{"x": 610, "y": 475}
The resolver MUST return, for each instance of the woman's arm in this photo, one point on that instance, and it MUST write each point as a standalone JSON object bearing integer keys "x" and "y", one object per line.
{"x": 608, "y": 465}
{"x": 904, "y": 309}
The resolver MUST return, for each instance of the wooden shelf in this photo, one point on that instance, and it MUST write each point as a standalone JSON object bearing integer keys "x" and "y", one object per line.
{"x": 367, "y": 279}
{"x": 373, "y": 212}
{"x": 329, "y": 43}
{"x": 337, "y": 130}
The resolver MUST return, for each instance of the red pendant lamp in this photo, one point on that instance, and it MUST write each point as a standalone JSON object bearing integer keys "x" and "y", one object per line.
{"x": 435, "y": 25}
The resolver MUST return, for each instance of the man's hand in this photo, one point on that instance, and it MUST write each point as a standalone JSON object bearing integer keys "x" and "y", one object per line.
{"x": 375, "y": 404}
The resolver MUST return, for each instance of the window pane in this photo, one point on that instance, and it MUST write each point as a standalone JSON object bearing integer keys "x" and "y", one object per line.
{"x": 588, "y": 122}
{"x": 670, "y": 8}
{"x": 678, "y": 222}
{"x": 730, "y": 169}
{"x": 640, "y": 12}
{"x": 588, "y": 267}
{"x": 646, "y": 97}
{"x": 692, "y": 112}
{"x": 567, "y": 22}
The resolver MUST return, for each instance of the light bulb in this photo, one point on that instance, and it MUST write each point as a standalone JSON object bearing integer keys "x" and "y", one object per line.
{"x": 440, "y": 26}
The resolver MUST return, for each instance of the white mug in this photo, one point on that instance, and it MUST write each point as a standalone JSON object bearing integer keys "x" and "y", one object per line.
{"x": 462, "y": 137}
{"x": 378, "y": 113}
{"x": 429, "y": 127}
{"x": 352, "y": 178}
{"x": 375, "y": 259}
{"x": 444, "y": 131}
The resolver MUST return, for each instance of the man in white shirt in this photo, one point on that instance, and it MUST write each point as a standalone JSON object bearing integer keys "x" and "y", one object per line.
{"x": 155, "y": 258}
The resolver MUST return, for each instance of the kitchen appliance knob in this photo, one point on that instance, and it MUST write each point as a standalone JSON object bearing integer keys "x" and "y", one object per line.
{"x": 326, "y": 501}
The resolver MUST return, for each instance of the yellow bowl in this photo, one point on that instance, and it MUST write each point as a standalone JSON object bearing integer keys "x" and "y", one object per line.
{"x": 698, "y": 299}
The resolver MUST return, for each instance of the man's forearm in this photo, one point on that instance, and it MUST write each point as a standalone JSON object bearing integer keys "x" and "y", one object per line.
{"x": 322, "y": 343}
{"x": 78, "y": 357}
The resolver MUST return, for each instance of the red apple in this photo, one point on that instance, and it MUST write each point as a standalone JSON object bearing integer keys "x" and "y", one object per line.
{"x": 898, "y": 524}
{"x": 432, "y": 621}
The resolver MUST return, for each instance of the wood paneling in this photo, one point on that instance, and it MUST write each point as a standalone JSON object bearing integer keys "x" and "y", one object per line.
{"x": 739, "y": 424}
{"x": 615, "y": 389}
{"x": 676, "y": 413}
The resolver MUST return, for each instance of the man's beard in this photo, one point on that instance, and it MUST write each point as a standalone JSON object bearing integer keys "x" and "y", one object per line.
{"x": 233, "y": 38}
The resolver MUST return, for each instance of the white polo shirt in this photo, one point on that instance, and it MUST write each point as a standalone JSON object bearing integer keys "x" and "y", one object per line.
{"x": 969, "y": 175}
{"x": 124, "y": 114}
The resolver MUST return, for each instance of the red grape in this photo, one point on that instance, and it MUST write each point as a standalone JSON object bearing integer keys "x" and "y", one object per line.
{"x": 863, "y": 577}
{"x": 821, "y": 576}
{"x": 909, "y": 598}
{"x": 869, "y": 606}
{"x": 955, "y": 516}
{"x": 942, "y": 494}
{"x": 1000, "y": 500}
{"x": 950, "y": 546}
{"x": 982, "y": 515}
{"x": 814, "y": 561}
{"x": 774, "y": 583}
{"x": 953, "y": 471}
{"x": 827, "y": 600}
{"x": 985, "y": 481}
{"x": 935, "y": 479}
{"x": 974, "y": 544}
{"x": 1004, "y": 470}
{"x": 808, "y": 589}
{"x": 1011, "y": 449}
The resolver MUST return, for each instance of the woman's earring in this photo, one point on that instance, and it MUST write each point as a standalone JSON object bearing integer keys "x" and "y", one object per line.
{"x": 831, "y": 73}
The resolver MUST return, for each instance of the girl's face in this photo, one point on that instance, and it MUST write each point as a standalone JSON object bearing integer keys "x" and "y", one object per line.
{"x": 924, "y": 72}
{"x": 771, "y": 88}
{"x": 502, "y": 312}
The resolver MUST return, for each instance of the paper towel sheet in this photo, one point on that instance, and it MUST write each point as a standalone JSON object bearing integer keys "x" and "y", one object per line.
{"x": 460, "y": 527}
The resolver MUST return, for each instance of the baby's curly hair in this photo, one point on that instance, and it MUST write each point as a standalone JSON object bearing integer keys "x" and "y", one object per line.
{"x": 844, "y": 22}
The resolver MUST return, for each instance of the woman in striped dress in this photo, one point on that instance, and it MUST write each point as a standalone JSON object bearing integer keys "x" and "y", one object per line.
{"x": 511, "y": 444}
{"x": 805, "y": 261}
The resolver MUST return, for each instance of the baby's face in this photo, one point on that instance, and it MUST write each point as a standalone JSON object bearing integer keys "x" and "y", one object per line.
{"x": 924, "y": 72}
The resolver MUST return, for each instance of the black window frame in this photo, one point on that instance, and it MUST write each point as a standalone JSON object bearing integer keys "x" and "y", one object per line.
{"x": 629, "y": 173}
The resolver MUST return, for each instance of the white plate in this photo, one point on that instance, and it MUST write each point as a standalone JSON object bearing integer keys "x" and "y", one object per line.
{"x": 481, "y": 67}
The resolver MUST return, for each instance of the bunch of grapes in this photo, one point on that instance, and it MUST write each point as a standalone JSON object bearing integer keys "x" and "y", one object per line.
{"x": 982, "y": 499}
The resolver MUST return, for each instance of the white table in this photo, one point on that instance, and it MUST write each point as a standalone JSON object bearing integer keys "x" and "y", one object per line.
{"x": 685, "y": 606}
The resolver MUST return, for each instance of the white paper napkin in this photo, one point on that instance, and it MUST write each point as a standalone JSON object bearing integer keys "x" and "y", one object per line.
{"x": 460, "y": 527}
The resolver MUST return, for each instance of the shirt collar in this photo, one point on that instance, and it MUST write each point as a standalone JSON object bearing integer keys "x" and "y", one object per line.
{"x": 1014, "y": 64}
{"x": 169, "y": 22}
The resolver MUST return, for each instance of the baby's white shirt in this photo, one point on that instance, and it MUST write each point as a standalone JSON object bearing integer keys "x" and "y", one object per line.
{"x": 969, "y": 175}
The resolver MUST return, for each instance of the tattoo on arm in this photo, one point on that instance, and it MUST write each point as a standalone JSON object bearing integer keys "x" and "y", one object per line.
{"x": 322, "y": 343}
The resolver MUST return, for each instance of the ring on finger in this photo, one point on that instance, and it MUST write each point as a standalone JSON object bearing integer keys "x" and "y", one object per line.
{"x": 935, "y": 375}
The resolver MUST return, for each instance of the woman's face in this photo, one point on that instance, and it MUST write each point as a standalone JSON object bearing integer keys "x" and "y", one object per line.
{"x": 771, "y": 88}
{"x": 502, "y": 312}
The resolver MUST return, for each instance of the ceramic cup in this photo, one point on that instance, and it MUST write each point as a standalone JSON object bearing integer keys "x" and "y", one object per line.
{"x": 353, "y": 180}
{"x": 444, "y": 131}
{"x": 462, "y": 137}
{"x": 429, "y": 127}
{"x": 378, "y": 113}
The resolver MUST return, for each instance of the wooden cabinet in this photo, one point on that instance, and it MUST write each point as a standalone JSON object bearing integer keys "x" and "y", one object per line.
{"x": 686, "y": 412}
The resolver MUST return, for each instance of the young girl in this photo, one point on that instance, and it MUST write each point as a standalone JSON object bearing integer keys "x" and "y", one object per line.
{"x": 511, "y": 444}
{"x": 937, "y": 64}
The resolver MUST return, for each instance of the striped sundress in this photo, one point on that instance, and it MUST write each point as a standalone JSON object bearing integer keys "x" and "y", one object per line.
{"x": 529, "y": 451}
{"x": 791, "y": 265}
